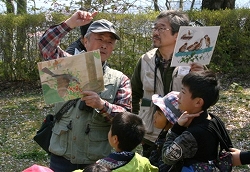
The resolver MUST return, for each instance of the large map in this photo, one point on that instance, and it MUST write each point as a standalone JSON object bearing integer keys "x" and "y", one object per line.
{"x": 66, "y": 78}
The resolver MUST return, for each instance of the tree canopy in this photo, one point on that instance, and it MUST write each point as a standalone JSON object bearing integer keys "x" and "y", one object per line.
{"x": 113, "y": 6}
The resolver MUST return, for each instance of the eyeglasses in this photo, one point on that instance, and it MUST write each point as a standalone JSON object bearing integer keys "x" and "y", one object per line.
{"x": 160, "y": 29}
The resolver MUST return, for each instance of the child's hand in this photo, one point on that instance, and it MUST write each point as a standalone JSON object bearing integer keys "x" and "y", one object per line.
{"x": 185, "y": 119}
{"x": 236, "y": 156}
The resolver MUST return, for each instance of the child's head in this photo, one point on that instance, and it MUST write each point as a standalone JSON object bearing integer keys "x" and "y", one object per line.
{"x": 167, "y": 112}
{"x": 126, "y": 131}
{"x": 96, "y": 168}
{"x": 200, "y": 90}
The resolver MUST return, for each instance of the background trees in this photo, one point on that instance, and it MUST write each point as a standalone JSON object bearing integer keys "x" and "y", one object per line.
{"x": 218, "y": 4}
{"x": 117, "y": 6}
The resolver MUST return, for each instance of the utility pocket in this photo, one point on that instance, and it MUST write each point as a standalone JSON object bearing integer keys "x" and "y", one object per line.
{"x": 146, "y": 115}
{"x": 97, "y": 143}
{"x": 148, "y": 81}
{"x": 59, "y": 138}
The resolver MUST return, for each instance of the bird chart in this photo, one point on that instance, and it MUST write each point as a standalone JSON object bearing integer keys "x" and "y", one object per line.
{"x": 195, "y": 44}
{"x": 66, "y": 78}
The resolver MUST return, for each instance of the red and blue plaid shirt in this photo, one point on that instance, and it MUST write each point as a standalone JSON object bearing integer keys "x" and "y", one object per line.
{"x": 50, "y": 49}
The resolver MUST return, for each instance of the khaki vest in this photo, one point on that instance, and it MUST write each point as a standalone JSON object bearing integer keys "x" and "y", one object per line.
{"x": 87, "y": 141}
{"x": 147, "y": 78}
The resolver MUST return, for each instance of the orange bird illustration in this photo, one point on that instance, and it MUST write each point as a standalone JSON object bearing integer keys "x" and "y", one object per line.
{"x": 207, "y": 40}
{"x": 187, "y": 36}
{"x": 192, "y": 47}
{"x": 198, "y": 46}
{"x": 63, "y": 81}
{"x": 183, "y": 48}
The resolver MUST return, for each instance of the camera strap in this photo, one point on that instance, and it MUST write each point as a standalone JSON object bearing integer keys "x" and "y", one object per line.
{"x": 65, "y": 108}
{"x": 157, "y": 64}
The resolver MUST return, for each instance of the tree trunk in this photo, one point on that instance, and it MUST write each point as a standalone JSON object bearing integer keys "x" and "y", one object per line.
{"x": 167, "y": 3}
{"x": 21, "y": 6}
{"x": 181, "y": 5}
{"x": 156, "y": 7}
{"x": 9, "y": 6}
{"x": 192, "y": 5}
{"x": 218, "y": 4}
{"x": 21, "y": 36}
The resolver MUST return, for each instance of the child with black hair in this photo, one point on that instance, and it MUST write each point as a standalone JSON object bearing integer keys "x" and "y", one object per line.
{"x": 191, "y": 141}
{"x": 125, "y": 134}
{"x": 166, "y": 114}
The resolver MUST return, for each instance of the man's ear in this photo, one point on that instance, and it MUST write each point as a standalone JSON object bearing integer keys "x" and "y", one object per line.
{"x": 175, "y": 36}
{"x": 85, "y": 41}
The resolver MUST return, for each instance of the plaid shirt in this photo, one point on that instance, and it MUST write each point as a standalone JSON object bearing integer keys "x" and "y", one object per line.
{"x": 49, "y": 48}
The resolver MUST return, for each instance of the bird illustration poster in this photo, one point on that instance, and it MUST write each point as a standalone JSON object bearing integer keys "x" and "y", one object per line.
{"x": 195, "y": 44}
{"x": 66, "y": 78}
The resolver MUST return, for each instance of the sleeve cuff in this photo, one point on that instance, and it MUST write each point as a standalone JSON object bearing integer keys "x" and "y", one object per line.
{"x": 245, "y": 157}
{"x": 65, "y": 27}
{"x": 103, "y": 110}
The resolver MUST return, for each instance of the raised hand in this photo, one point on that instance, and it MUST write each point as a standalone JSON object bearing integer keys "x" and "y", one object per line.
{"x": 93, "y": 100}
{"x": 80, "y": 18}
{"x": 185, "y": 119}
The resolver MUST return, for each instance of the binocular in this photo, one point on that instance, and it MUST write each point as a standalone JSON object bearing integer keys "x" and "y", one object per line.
{"x": 83, "y": 106}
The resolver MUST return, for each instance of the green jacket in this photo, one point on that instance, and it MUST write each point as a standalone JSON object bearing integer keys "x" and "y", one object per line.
{"x": 137, "y": 164}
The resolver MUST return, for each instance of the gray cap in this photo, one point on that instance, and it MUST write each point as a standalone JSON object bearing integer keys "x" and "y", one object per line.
{"x": 102, "y": 25}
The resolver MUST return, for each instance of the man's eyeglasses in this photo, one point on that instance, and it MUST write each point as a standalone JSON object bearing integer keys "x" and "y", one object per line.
{"x": 160, "y": 29}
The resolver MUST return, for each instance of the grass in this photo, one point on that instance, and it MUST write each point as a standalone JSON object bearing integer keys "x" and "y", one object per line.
{"x": 23, "y": 109}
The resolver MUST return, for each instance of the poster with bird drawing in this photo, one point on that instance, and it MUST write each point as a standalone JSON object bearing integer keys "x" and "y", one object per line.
{"x": 66, "y": 78}
{"x": 195, "y": 44}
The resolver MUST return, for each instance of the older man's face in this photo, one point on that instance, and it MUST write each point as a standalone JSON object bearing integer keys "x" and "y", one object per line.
{"x": 162, "y": 34}
{"x": 104, "y": 41}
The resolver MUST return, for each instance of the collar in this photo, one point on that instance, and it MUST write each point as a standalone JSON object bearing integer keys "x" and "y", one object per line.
{"x": 161, "y": 61}
{"x": 80, "y": 44}
{"x": 104, "y": 67}
{"x": 116, "y": 159}
{"x": 203, "y": 116}
{"x": 158, "y": 54}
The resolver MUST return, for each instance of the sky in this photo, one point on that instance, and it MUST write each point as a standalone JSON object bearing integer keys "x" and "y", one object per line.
{"x": 187, "y": 3}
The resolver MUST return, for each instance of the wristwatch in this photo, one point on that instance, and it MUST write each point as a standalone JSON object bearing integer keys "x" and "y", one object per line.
{"x": 102, "y": 110}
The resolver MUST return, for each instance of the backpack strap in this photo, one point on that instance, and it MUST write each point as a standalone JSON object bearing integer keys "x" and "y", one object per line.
{"x": 218, "y": 127}
{"x": 157, "y": 64}
{"x": 65, "y": 108}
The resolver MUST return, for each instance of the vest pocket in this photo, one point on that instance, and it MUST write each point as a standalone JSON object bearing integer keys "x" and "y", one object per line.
{"x": 148, "y": 81}
{"x": 146, "y": 114}
{"x": 58, "y": 141}
{"x": 97, "y": 142}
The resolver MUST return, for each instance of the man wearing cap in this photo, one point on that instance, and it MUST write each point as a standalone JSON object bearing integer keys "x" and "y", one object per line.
{"x": 81, "y": 136}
